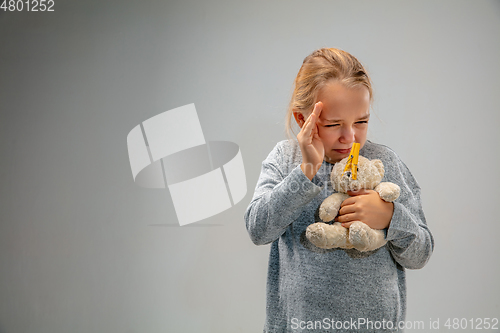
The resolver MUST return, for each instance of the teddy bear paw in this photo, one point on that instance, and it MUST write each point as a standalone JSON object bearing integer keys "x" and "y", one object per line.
{"x": 327, "y": 236}
{"x": 316, "y": 234}
{"x": 363, "y": 238}
{"x": 358, "y": 236}
{"x": 327, "y": 213}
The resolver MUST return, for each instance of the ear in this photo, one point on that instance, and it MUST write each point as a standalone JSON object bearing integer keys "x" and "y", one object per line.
{"x": 380, "y": 166}
{"x": 299, "y": 118}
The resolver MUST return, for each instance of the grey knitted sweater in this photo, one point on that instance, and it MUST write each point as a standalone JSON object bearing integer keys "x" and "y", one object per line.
{"x": 315, "y": 290}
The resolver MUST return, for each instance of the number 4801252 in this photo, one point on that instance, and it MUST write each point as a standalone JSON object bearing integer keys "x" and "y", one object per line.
{"x": 27, "y": 5}
{"x": 472, "y": 324}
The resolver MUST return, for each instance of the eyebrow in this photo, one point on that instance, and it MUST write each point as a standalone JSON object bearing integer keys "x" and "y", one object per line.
{"x": 365, "y": 117}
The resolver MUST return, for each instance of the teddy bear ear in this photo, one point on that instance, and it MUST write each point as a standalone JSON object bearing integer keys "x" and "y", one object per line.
{"x": 379, "y": 165}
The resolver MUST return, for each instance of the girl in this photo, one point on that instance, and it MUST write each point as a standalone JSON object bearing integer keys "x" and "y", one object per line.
{"x": 311, "y": 289}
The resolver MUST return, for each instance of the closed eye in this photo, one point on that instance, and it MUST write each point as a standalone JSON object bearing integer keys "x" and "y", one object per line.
{"x": 358, "y": 122}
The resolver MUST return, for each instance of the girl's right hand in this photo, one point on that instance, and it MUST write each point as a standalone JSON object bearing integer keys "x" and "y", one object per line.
{"x": 311, "y": 146}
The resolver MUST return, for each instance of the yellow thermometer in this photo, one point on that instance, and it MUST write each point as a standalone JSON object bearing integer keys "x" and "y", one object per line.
{"x": 352, "y": 162}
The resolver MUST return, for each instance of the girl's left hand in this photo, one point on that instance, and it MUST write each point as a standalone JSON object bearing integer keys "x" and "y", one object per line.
{"x": 366, "y": 206}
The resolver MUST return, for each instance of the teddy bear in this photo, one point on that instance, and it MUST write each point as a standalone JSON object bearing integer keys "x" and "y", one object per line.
{"x": 349, "y": 176}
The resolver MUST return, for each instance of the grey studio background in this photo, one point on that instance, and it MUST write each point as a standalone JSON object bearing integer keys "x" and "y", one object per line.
{"x": 84, "y": 249}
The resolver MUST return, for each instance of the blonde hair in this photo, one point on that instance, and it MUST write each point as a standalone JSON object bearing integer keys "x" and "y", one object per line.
{"x": 317, "y": 69}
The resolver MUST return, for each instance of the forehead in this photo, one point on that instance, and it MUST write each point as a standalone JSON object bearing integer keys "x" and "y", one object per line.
{"x": 341, "y": 101}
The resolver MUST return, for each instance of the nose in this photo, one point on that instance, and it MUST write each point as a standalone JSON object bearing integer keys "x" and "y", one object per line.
{"x": 347, "y": 135}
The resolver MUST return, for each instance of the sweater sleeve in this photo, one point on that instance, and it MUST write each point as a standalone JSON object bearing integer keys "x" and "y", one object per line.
{"x": 278, "y": 198}
{"x": 409, "y": 239}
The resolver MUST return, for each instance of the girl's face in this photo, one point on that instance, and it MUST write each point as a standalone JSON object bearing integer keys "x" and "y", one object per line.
{"x": 343, "y": 119}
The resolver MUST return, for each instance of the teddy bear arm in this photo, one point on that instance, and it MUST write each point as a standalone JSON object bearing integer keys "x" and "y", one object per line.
{"x": 331, "y": 205}
{"x": 388, "y": 191}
